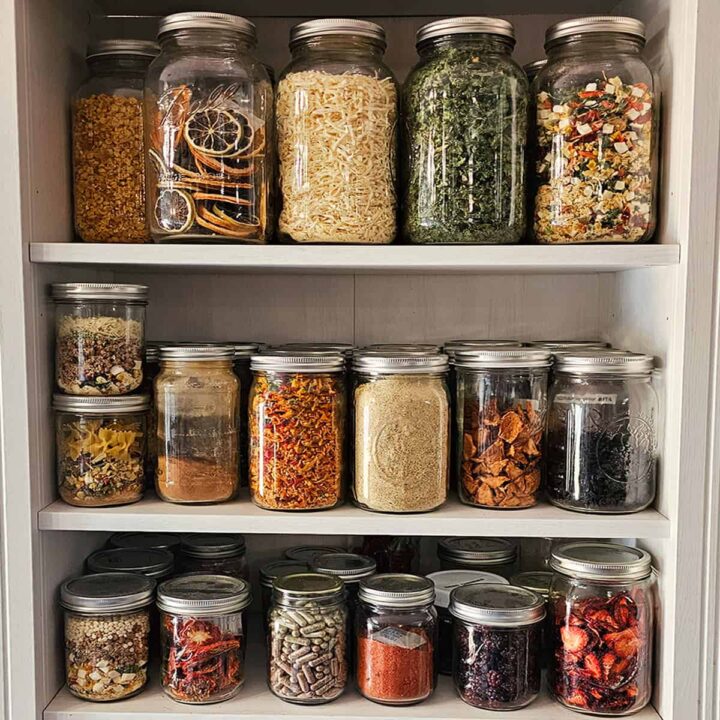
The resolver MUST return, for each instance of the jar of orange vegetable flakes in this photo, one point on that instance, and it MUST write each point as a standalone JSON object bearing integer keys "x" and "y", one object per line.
{"x": 297, "y": 431}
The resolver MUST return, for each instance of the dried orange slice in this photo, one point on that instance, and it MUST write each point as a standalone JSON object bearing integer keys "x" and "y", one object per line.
{"x": 217, "y": 132}
{"x": 174, "y": 210}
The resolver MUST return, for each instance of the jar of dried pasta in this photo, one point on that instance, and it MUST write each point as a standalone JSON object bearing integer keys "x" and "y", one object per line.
{"x": 336, "y": 109}
{"x": 100, "y": 449}
{"x": 297, "y": 431}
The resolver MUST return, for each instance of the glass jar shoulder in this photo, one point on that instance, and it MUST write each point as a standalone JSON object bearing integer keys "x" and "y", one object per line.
{"x": 369, "y": 615}
{"x": 187, "y": 66}
{"x": 339, "y": 63}
{"x": 196, "y": 379}
{"x": 117, "y": 86}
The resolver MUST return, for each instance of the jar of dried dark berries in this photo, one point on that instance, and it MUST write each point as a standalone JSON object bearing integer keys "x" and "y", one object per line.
{"x": 601, "y": 622}
{"x": 494, "y": 555}
{"x": 602, "y": 432}
{"x": 214, "y": 554}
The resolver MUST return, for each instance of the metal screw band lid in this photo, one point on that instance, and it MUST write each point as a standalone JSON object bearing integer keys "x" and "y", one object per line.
{"x": 345, "y": 349}
{"x": 94, "y": 405}
{"x": 351, "y": 567}
{"x": 99, "y": 291}
{"x": 143, "y": 48}
{"x": 409, "y": 348}
{"x": 446, "y": 581}
{"x": 476, "y": 550}
{"x": 210, "y": 545}
{"x": 278, "y": 568}
{"x": 536, "y": 580}
{"x": 288, "y": 361}
{"x": 553, "y": 345}
{"x": 497, "y": 605}
{"x": 595, "y": 24}
{"x": 107, "y": 593}
{"x": 401, "y": 363}
{"x": 196, "y": 352}
{"x": 599, "y": 362}
{"x": 397, "y": 590}
{"x": 468, "y": 25}
{"x": 533, "y": 68}
{"x": 207, "y": 21}
{"x": 337, "y": 26}
{"x": 497, "y": 358}
{"x": 307, "y": 553}
{"x": 163, "y": 541}
{"x": 199, "y": 594}
{"x": 601, "y": 561}
{"x": 150, "y": 562}
{"x": 453, "y": 346}
{"x": 307, "y": 586}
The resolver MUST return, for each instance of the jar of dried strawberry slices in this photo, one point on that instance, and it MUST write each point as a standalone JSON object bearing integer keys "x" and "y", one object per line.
{"x": 596, "y": 107}
{"x": 601, "y": 616}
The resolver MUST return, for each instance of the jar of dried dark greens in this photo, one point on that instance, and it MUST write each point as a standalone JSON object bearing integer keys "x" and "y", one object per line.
{"x": 601, "y": 447}
{"x": 493, "y": 555}
{"x": 465, "y": 107}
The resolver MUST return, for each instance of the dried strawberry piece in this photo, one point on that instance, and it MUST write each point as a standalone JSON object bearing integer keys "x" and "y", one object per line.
{"x": 578, "y": 699}
{"x": 625, "y": 611}
{"x": 625, "y": 643}
{"x": 601, "y": 619}
{"x": 592, "y": 667}
{"x": 574, "y": 639}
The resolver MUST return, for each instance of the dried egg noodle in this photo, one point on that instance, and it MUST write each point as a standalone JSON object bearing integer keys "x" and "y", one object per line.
{"x": 336, "y": 147}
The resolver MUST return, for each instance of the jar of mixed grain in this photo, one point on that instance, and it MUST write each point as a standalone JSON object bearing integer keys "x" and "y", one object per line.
{"x": 493, "y": 555}
{"x": 214, "y": 554}
{"x": 107, "y": 143}
{"x": 107, "y": 624}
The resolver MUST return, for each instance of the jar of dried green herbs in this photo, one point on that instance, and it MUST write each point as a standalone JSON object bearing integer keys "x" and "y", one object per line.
{"x": 466, "y": 116}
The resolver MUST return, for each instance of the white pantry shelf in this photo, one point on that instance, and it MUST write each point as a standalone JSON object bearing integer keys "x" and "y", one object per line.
{"x": 398, "y": 259}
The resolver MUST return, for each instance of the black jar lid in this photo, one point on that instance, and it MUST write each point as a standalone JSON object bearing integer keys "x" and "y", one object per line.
{"x": 477, "y": 550}
{"x": 280, "y": 568}
{"x": 351, "y": 567}
{"x": 497, "y": 605}
{"x": 107, "y": 593}
{"x": 307, "y": 553}
{"x": 150, "y": 562}
{"x": 307, "y": 586}
{"x": 159, "y": 540}
{"x": 198, "y": 594}
{"x": 397, "y": 590}
{"x": 212, "y": 545}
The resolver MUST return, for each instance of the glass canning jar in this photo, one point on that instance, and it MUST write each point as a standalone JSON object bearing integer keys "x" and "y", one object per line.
{"x": 196, "y": 396}
{"x": 493, "y": 555}
{"x": 308, "y": 553}
{"x": 100, "y": 449}
{"x": 396, "y": 635}
{"x": 601, "y": 623}
{"x": 597, "y": 105}
{"x": 152, "y": 368}
{"x": 297, "y": 421}
{"x": 402, "y": 431}
{"x": 392, "y": 553}
{"x": 496, "y": 649}
{"x": 99, "y": 337}
{"x": 107, "y": 625}
{"x": 268, "y": 573}
{"x": 243, "y": 351}
{"x": 307, "y": 640}
{"x": 203, "y": 632}
{"x": 214, "y": 554}
{"x": 336, "y": 106}
{"x": 107, "y": 143}
{"x": 208, "y": 113}
{"x": 501, "y": 407}
{"x": 150, "y": 562}
{"x": 602, "y": 433}
{"x": 155, "y": 540}
{"x": 465, "y": 129}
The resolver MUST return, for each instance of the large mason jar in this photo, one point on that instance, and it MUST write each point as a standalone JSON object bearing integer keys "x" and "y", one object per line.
{"x": 208, "y": 124}
{"x": 466, "y": 114}
{"x": 500, "y": 423}
{"x": 336, "y": 122}
{"x": 107, "y": 143}
{"x": 196, "y": 396}
{"x": 597, "y": 105}
{"x": 602, "y": 432}
{"x": 601, "y": 623}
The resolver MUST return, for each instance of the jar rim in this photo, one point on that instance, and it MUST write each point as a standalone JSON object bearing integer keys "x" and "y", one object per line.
{"x": 601, "y": 561}
{"x": 501, "y": 358}
{"x": 565, "y": 29}
{"x": 120, "y": 46}
{"x": 481, "y": 550}
{"x": 324, "y": 27}
{"x": 99, "y": 291}
{"x": 351, "y": 567}
{"x": 266, "y": 576}
{"x": 465, "y": 25}
{"x": 196, "y": 352}
{"x": 397, "y": 590}
{"x": 195, "y": 594}
{"x": 101, "y": 405}
{"x": 207, "y": 21}
{"x": 210, "y": 545}
{"x": 446, "y": 581}
{"x": 167, "y": 541}
{"x": 151, "y": 562}
{"x": 497, "y": 605}
{"x": 307, "y": 586}
{"x": 288, "y": 361}
{"x": 400, "y": 363}
{"x": 305, "y": 553}
{"x": 107, "y": 593}
{"x": 604, "y": 362}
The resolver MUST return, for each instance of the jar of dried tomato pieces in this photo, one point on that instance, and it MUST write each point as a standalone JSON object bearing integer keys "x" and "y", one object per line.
{"x": 203, "y": 636}
{"x": 501, "y": 411}
{"x": 214, "y": 554}
{"x": 493, "y": 555}
{"x": 601, "y": 620}
{"x": 297, "y": 422}
{"x": 597, "y": 117}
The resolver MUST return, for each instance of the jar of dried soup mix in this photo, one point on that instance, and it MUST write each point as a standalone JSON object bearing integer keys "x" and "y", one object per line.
{"x": 203, "y": 632}
{"x": 214, "y": 554}
{"x": 107, "y": 624}
{"x": 196, "y": 396}
{"x": 493, "y": 555}
{"x": 100, "y": 449}
{"x": 107, "y": 143}
{"x": 601, "y": 620}
{"x": 602, "y": 432}
{"x": 597, "y": 114}
{"x": 99, "y": 337}
{"x": 297, "y": 423}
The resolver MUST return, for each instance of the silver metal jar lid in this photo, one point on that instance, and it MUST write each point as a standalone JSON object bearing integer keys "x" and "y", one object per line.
{"x": 143, "y": 48}
{"x": 553, "y": 345}
{"x": 199, "y": 594}
{"x": 152, "y": 351}
{"x": 477, "y": 550}
{"x": 533, "y": 68}
{"x": 497, "y": 605}
{"x": 211, "y": 545}
{"x": 196, "y": 352}
{"x": 601, "y": 561}
{"x": 99, "y": 291}
{"x": 162, "y": 541}
{"x": 351, "y": 567}
{"x": 595, "y": 24}
{"x": 501, "y": 358}
{"x": 307, "y": 586}
{"x": 453, "y": 346}
{"x": 94, "y": 405}
{"x": 279, "y": 568}
{"x": 409, "y": 348}
{"x": 446, "y": 581}
{"x": 346, "y": 349}
{"x": 468, "y": 25}
{"x": 307, "y": 553}
{"x": 151, "y": 562}
{"x": 397, "y": 590}
{"x": 207, "y": 21}
{"x": 536, "y": 580}
{"x": 298, "y": 362}
{"x": 245, "y": 350}
{"x": 597, "y": 362}
{"x": 337, "y": 26}
{"x": 107, "y": 593}
{"x": 401, "y": 363}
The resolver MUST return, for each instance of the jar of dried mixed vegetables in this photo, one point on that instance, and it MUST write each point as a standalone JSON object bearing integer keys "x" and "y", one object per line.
{"x": 214, "y": 554}
{"x": 597, "y": 108}
{"x": 465, "y": 108}
{"x": 493, "y": 555}
{"x": 100, "y": 449}
{"x": 297, "y": 422}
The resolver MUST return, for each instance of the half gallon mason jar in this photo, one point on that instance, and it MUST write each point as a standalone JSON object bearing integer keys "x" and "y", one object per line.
{"x": 466, "y": 114}
{"x": 336, "y": 122}
{"x": 597, "y": 109}
{"x": 208, "y": 111}
{"x": 601, "y": 623}
{"x": 602, "y": 432}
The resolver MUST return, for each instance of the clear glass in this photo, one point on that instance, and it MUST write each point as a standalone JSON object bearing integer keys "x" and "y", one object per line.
{"x": 396, "y": 653}
{"x": 402, "y": 433}
{"x": 602, "y": 443}
{"x": 500, "y": 422}
{"x": 197, "y": 414}
{"x": 336, "y": 120}
{"x": 465, "y": 127}
{"x": 392, "y": 554}
{"x": 496, "y": 668}
{"x": 152, "y": 369}
{"x": 601, "y": 638}
{"x": 241, "y": 367}
{"x": 504, "y": 569}
{"x": 297, "y": 440}
{"x": 100, "y": 458}
{"x": 99, "y": 346}
{"x": 203, "y": 656}
{"x": 233, "y": 565}
{"x": 209, "y": 120}
{"x": 106, "y": 656}
{"x": 307, "y": 650}
{"x": 108, "y": 151}
{"x": 597, "y": 106}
